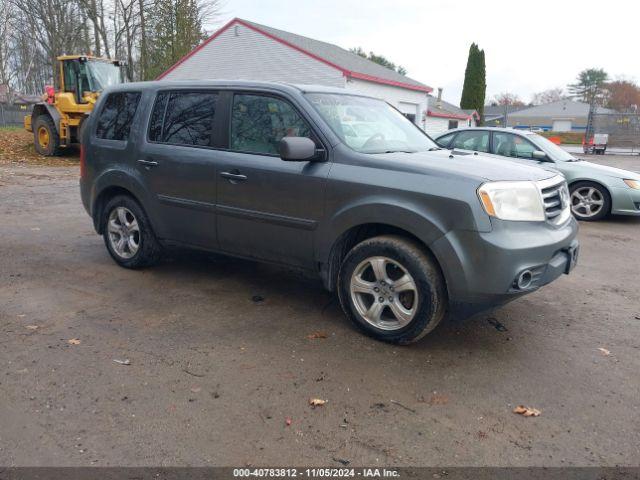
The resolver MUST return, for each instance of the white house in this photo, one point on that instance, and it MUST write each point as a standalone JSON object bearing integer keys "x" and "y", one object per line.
{"x": 442, "y": 116}
{"x": 249, "y": 51}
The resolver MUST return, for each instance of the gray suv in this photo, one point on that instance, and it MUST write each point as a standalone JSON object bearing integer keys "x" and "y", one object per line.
{"x": 328, "y": 181}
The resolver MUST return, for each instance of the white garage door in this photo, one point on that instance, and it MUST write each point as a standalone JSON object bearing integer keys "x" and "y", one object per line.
{"x": 562, "y": 125}
{"x": 409, "y": 110}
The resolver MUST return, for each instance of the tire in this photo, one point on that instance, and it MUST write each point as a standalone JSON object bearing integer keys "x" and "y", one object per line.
{"x": 138, "y": 247}
{"x": 45, "y": 136}
{"x": 421, "y": 304}
{"x": 585, "y": 210}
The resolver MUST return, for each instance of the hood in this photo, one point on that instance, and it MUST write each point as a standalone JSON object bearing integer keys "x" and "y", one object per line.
{"x": 465, "y": 164}
{"x": 584, "y": 166}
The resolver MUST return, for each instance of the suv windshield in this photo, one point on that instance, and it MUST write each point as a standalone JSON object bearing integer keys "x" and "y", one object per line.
{"x": 368, "y": 125}
{"x": 554, "y": 151}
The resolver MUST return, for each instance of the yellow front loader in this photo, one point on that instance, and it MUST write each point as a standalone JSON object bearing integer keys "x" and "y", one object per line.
{"x": 57, "y": 122}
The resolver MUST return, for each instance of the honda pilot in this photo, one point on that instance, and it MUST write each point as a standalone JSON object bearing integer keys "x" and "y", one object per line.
{"x": 328, "y": 181}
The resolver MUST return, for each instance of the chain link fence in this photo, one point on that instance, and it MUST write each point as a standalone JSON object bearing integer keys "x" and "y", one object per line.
{"x": 623, "y": 130}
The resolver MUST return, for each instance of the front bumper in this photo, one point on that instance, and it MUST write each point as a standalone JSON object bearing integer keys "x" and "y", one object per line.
{"x": 625, "y": 201}
{"x": 482, "y": 269}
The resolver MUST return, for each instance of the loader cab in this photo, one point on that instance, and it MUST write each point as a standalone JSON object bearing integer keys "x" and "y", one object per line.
{"x": 85, "y": 77}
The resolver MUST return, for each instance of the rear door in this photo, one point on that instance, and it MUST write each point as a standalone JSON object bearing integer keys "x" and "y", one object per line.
{"x": 268, "y": 208}
{"x": 178, "y": 162}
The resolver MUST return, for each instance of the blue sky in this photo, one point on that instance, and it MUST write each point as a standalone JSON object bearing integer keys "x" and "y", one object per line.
{"x": 530, "y": 46}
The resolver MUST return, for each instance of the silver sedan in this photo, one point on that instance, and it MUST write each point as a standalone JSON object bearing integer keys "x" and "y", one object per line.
{"x": 596, "y": 190}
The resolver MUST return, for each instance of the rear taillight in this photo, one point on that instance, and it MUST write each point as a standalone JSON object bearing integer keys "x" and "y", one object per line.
{"x": 83, "y": 166}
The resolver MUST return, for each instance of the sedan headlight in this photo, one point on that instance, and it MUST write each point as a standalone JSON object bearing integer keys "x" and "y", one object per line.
{"x": 633, "y": 184}
{"x": 519, "y": 201}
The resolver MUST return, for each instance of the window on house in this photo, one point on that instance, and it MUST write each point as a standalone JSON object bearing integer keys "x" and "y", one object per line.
{"x": 453, "y": 124}
{"x": 117, "y": 115}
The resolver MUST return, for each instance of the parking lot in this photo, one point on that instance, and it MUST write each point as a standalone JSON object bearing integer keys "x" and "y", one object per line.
{"x": 225, "y": 354}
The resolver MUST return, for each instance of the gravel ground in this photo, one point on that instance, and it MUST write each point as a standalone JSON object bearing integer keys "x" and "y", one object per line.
{"x": 214, "y": 375}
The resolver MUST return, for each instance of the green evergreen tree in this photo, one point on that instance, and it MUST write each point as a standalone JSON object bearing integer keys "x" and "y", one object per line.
{"x": 590, "y": 86}
{"x": 475, "y": 81}
{"x": 175, "y": 28}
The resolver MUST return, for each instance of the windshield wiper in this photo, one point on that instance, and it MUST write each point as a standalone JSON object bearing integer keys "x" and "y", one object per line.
{"x": 433, "y": 149}
{"x": 393, "y": 151}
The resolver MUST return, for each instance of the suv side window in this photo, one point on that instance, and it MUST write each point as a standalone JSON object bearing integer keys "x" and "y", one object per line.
{"x": 510, "y": 145}
{"x": 183, "y": 118}
{"x": 258, "y": 123}
{"x": 476, "y": 140}
{"x": 114, "y": 122}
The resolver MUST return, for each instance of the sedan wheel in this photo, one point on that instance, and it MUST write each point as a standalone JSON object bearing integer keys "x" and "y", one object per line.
{"x": 589, "y": 201}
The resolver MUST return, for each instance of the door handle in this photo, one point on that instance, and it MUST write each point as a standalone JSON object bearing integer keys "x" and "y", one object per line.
{"x": 238, "y": 177}
{"x": 148, "y": 163}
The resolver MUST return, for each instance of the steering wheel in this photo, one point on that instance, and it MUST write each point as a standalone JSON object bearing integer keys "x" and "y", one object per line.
{"x": 376, "y": 137}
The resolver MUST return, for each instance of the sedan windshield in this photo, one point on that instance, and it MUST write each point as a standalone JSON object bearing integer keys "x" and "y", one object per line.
{"x": 368, "y": 125}
{"x": 554, "y": 151}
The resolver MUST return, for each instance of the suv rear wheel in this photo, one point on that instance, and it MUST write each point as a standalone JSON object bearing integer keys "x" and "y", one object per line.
{"x": 391, "y": 289}
{"x": 128, "y": 235}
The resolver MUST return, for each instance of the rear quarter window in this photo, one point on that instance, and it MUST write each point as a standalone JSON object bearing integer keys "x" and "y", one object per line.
{"x": 116, "y": 116}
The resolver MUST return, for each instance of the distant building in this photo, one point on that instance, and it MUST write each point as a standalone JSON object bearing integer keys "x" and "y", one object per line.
{"x": 561, "y": 116}
{"x": 244, "y": 50}
{"x": 442, "y": 116}
{"x": 494, "y": 114}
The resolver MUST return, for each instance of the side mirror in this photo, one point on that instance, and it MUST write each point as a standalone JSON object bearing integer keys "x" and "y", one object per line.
{"x": 297, "y": 149}
{"x": 539, "y": 155}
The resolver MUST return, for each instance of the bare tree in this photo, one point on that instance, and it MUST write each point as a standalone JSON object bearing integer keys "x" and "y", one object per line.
{"x": 549, "y": 96}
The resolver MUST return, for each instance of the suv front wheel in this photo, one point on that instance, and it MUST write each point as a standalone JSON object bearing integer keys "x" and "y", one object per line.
{"x": 128, "y": 235}
{"x": 392, "y": 289}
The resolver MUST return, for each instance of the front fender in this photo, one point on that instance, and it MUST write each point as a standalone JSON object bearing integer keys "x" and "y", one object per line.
{"x": 46, "y": 109}
{"x": 375, "y": 211}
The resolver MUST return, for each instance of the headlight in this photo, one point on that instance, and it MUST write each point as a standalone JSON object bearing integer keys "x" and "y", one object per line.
{"x": 633, "y": 183}
{"x": 520, "y": 201}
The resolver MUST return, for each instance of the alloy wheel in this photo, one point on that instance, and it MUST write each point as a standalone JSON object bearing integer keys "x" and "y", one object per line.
{"x": 586, "y": 202}
{"x": 384, "y": 293}
{"x": 124, "y": 232}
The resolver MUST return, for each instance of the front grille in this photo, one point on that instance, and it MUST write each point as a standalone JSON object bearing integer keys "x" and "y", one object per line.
{"x": 555, "y": 196}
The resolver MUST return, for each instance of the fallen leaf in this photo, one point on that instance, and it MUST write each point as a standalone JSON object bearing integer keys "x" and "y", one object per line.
{"x": 526, "y": 411}
{"x": 317, "y": 402}
{"x": 122, "y": 362}
{"x": 31, "y": 327}
{"x": 438, "y": 399}
{"x": 195, "y": 389}
{"x": 74, "y": 341}
{"x": 315, "y": 335}
{"x": 287, "y": 421}
{"x": 604, "y": 351}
